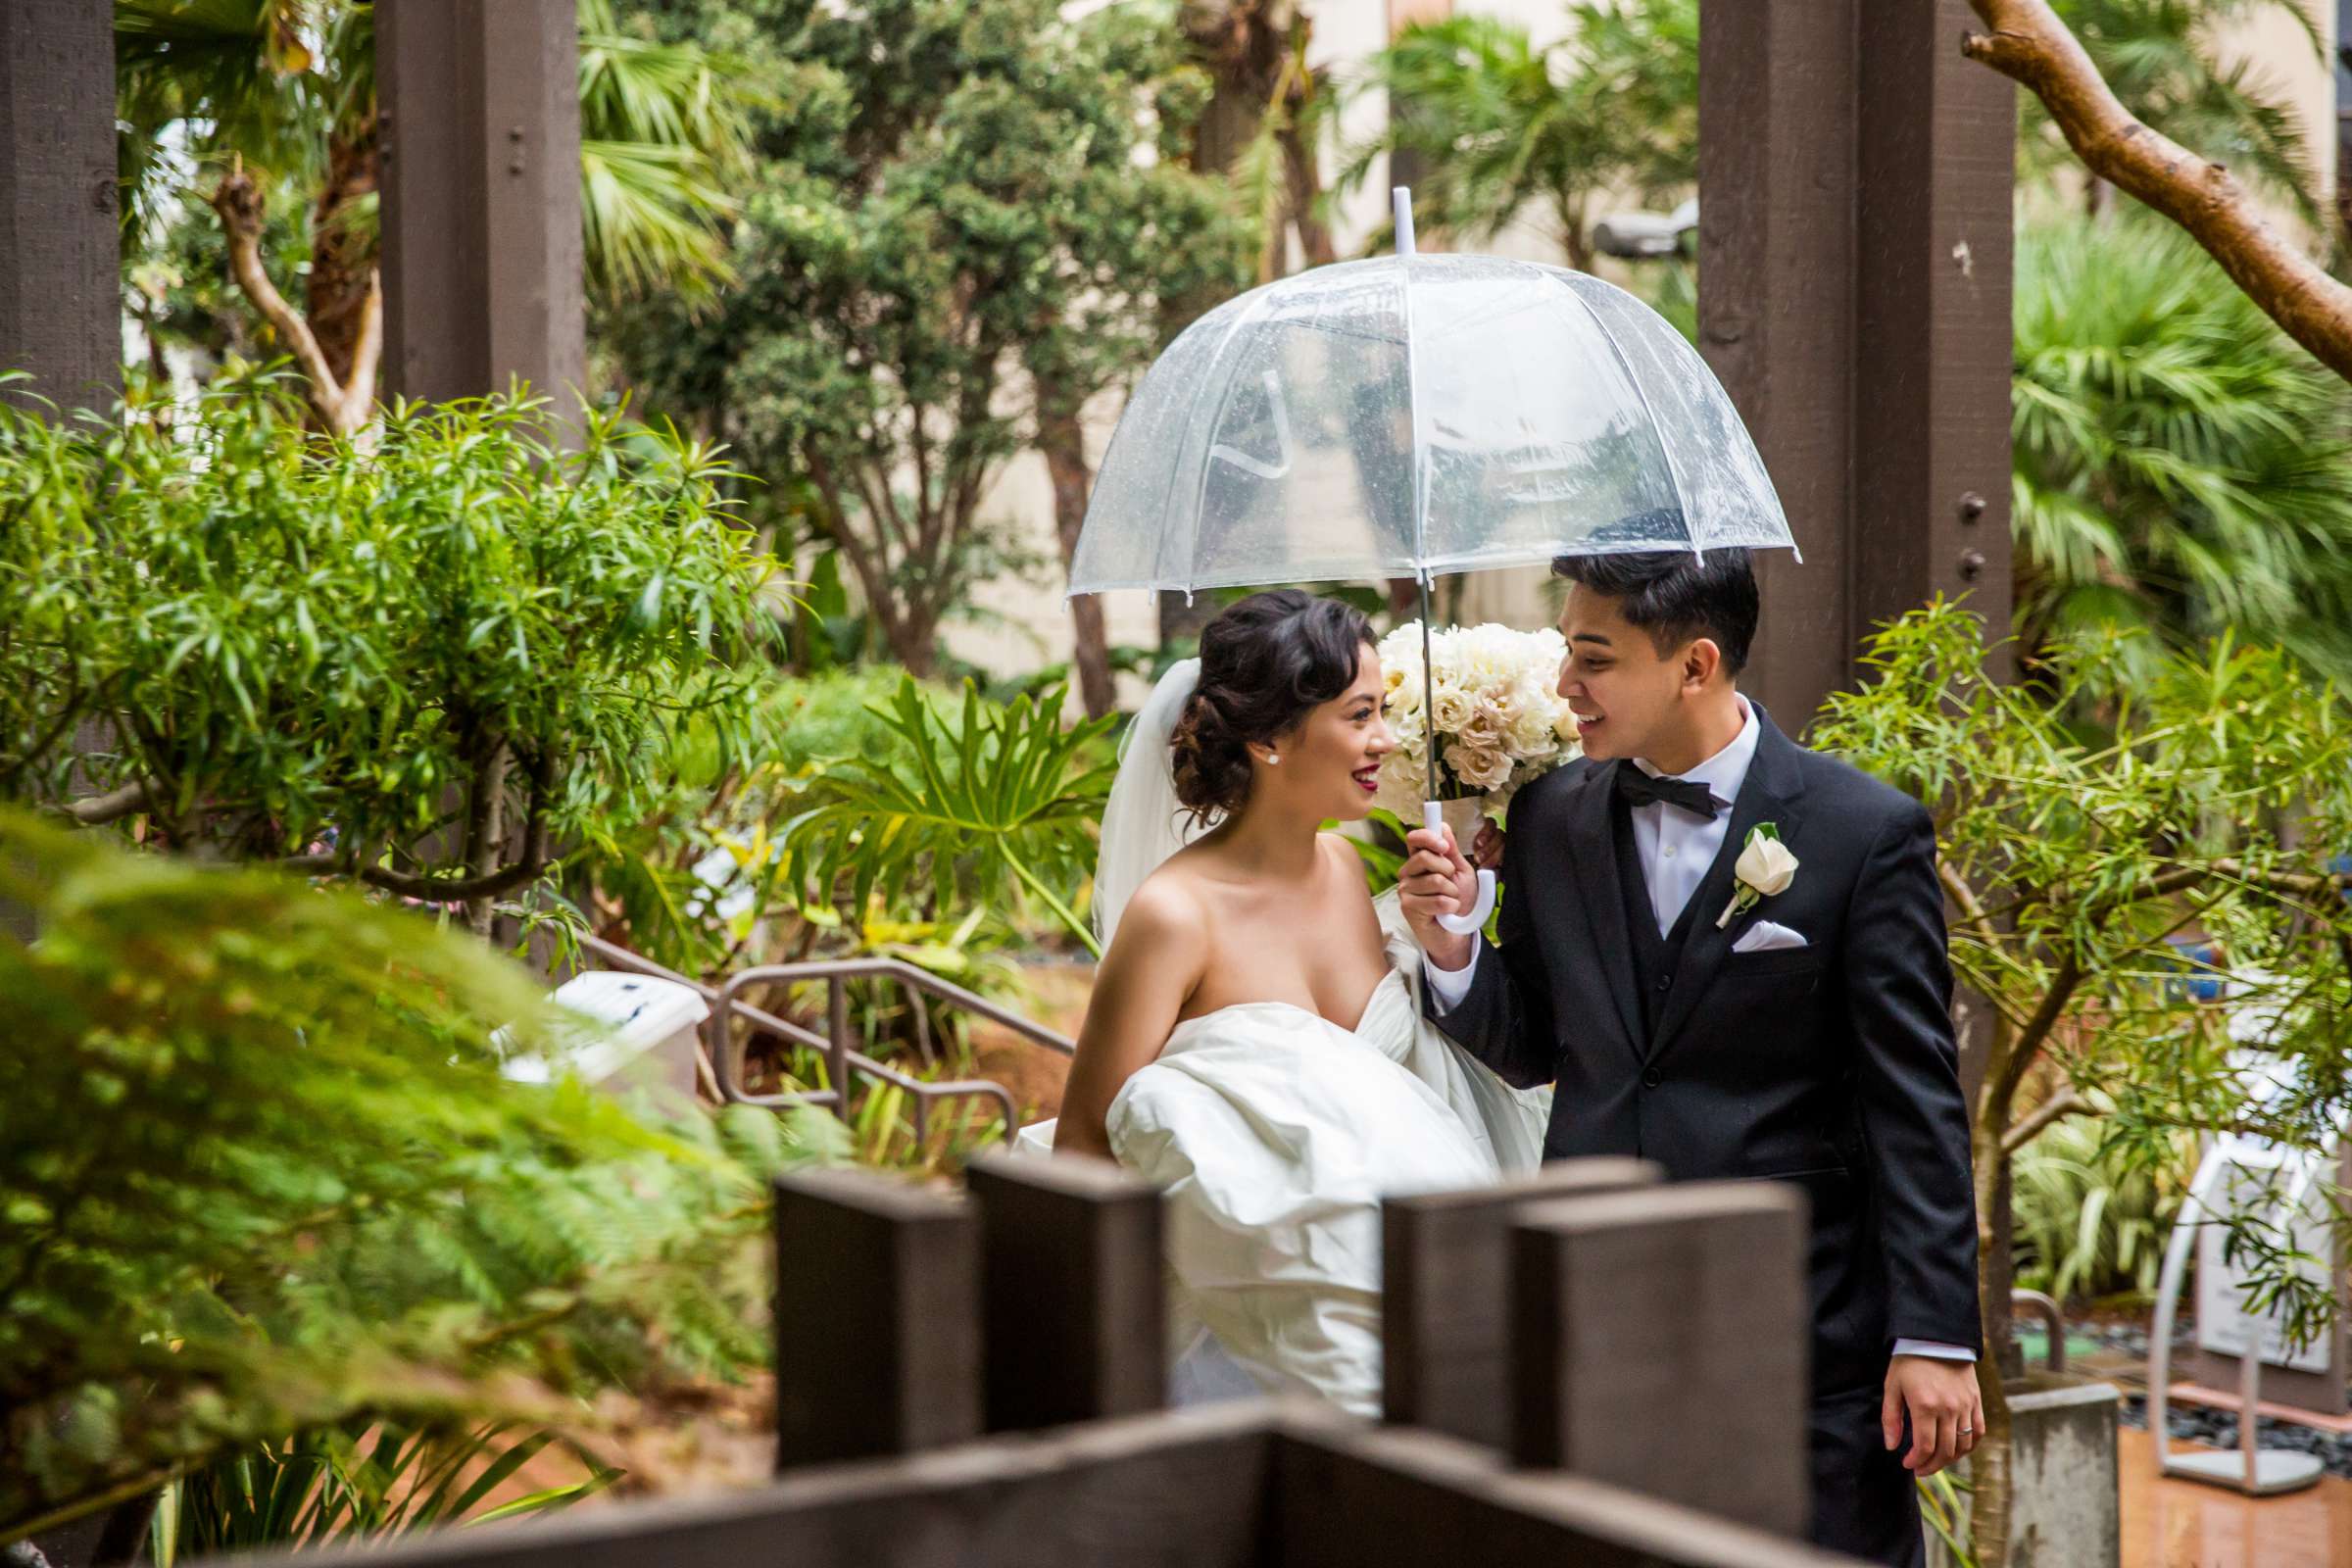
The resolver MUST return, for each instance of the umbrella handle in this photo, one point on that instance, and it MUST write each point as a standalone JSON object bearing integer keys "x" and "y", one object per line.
{"x": 1433, "y": 817}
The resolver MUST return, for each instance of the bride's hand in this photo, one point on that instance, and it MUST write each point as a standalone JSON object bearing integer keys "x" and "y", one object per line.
{"x": 1486, "y": 850}
{"x": 1437, "y": 880}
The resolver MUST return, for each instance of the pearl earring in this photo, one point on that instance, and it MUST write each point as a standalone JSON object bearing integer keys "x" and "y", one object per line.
{"x": 1273, "y": 759}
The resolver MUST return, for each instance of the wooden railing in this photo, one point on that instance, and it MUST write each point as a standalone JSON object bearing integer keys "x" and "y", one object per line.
{"x": 1585, "y": 1368}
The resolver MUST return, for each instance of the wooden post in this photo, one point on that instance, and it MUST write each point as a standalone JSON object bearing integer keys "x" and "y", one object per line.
{"x": 1854, "y": 268}
{"x": 481, "y": 197}
{"x": 1072, "y": 1304}
{"x": 1445, "y": 1297}
{"x": 877, "y": 1318}
{"x": 61, "y": 291}
{"x": 1660, "y": 1341}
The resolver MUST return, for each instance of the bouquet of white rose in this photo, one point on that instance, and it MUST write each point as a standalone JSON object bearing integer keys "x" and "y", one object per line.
{"x": 1494, "y": 711}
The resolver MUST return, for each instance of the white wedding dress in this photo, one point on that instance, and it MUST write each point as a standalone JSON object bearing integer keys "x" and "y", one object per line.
{"x": 1275, "y": 1134}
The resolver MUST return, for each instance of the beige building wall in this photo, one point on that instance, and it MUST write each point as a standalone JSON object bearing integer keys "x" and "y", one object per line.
{"x": 2279, "y": 51}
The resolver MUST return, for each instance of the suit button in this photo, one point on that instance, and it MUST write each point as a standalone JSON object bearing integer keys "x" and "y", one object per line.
{"x": 1650, "y": 1079}
{"x": 1666, "y": 982}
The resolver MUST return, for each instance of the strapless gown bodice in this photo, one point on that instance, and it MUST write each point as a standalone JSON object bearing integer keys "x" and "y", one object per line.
{"x": 1275, "y": 1134}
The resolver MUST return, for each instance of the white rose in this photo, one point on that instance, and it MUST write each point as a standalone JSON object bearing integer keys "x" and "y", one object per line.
{"x": 1531, "y": 734}
{"x": 1479, "y": 766}
{"x": 1404, "y": 781}
{"x": 1484, "y": 728}
{"x": 1452, "y": 711}
{"x": 1767, "y": 866}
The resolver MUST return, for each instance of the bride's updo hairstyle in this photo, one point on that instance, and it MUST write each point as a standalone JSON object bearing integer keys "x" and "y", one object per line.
{"x": 1265, "y": 664}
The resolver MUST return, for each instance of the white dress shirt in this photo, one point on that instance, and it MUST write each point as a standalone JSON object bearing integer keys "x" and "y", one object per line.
{"x": 1677, "y": 848}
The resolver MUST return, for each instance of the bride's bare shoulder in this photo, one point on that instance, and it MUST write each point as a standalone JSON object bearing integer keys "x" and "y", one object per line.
{"x": 1166, "y": 912}
{"x": 1339, "y": 850}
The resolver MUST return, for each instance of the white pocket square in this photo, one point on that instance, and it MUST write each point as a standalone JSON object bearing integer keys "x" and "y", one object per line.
{"x": 1766, "y": 937}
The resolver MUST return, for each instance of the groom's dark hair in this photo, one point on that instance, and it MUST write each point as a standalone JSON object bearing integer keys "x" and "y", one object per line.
{"x": 1675, "y": 596}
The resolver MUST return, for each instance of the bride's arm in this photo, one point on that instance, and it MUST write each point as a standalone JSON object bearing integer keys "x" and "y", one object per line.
{"x": 1154, "y": 963}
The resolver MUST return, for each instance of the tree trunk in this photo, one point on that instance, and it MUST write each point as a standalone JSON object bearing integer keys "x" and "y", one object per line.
{"x": 342, "y": 254}
{"x": 1576, "y": 238}
{"x": 1064, "y": 442}
{"x": 2098, "y": 200}
{"x": 1305, "y": 181}
{"x": 1242, "y": 49}
{"x": 341, "y": 407}
{"x": 486, "y": 829}
{"x": 913, "y": 638}
{"x": 1990, "y": 1476}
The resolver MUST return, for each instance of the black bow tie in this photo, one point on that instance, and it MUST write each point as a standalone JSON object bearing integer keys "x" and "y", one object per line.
{"x": 1636, "y": 788}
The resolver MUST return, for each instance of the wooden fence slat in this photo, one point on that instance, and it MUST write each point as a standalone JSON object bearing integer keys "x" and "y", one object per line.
{"x": 1660, "y": 1341}
{"x": 1173, "y": 1490}
{"x": 1072, "y": 1305}
{"x": 1251, "y": 1484}
{"x": 1446, "y": 1295}
{"x": 1392, "y": 1495}
{"x": 877, "y": 1318}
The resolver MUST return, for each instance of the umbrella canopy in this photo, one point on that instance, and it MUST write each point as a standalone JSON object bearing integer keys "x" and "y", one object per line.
{"x": 1419, "y": 414}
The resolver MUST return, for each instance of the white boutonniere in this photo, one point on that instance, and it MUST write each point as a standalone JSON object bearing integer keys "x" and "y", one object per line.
{"x": 1764, "y": 871}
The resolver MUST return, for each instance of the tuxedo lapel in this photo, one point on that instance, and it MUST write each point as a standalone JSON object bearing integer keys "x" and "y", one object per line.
{"x": 1774, "y": 793}
{"x": 1592, "y": 845}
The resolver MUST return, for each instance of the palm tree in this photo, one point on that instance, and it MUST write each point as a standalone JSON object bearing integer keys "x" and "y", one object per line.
{"x": 270, "y": 99}
{"x": 2166, "y": 60}
{"x": 1265, "y": 120}
{"x": 2180, "y": 463}
{"x": 1501, "y": 129}
{"x": 663, "y": 128}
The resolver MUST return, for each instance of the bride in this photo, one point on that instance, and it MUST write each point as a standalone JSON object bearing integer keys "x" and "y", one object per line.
{"x": 1254, "y": 1046}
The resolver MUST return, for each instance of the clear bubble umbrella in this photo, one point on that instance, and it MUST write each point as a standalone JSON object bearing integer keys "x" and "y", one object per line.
{"x": 1412, "y": 415}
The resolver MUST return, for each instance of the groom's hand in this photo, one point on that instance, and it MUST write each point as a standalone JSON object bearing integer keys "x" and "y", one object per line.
{"x": 1435, "y": 880}
{"x": 1946, "y": 1406}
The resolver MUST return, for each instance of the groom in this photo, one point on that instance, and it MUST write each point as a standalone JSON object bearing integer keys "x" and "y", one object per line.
{"x": 1805, "y": 1038}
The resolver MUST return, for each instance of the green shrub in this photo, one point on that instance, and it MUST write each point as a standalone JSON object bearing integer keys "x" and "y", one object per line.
{"x": 433, "y": 661}
{"x": 695, "y": 885}
{"x": 2089, "y": 1222}
{"x": 262, "y": 1176}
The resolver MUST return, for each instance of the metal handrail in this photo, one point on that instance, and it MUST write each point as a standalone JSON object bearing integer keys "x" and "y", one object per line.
{"x": 2053, "y": 1320}
{"x": 836, "y": 973}
{"x": 720, "y": 1058}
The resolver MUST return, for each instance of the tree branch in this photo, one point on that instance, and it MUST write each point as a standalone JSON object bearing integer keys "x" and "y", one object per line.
{"x": 431, "y": 889}
{"x": 238, "y": 201}
{"x": 2028, "y": 1045}
{"x": 359, "y": 392}
{"x": 96, "y": 811}
{"x": 2032, "y": 46}
{"x": 872, "y": 572}
{"x": 2065, "y": 1103}
{"x": 1964, "y": 898}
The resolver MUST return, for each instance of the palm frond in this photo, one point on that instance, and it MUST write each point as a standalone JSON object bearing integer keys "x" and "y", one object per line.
{"x": 665, "y": 128}
{"x": 993, "y": 801}
{"x": 2174, "y": 452}
{"x": 650, "y": 215}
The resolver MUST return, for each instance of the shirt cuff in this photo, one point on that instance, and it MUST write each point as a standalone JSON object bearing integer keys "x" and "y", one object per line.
{"x": 1934, "y": 1351}
{"x": 1448, "y": 987}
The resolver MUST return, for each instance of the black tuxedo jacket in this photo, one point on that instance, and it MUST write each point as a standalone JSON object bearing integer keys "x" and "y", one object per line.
{"x": 1832, "y": 1066}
